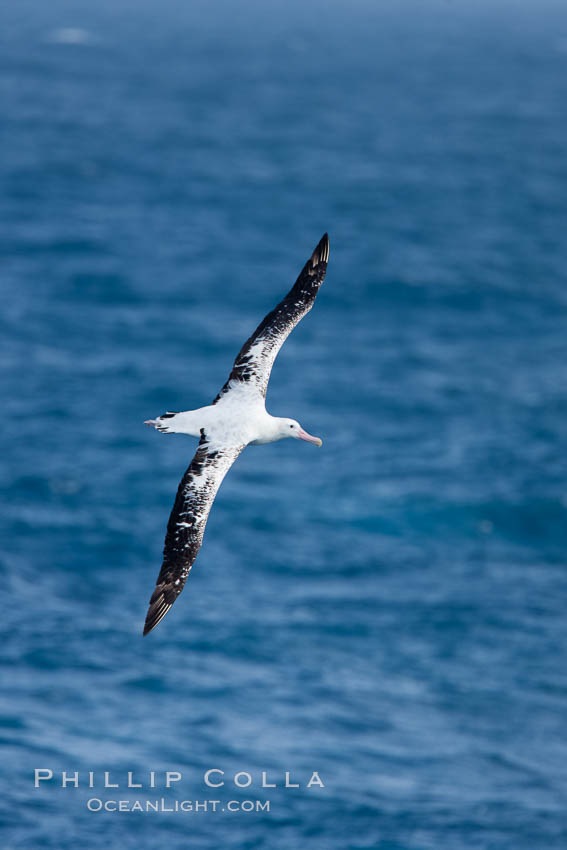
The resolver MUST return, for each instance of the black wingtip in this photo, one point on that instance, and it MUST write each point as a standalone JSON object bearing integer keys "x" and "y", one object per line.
{"x": 321, "y": 252}
{"x": 156, "y": 612}
{"x": 151, "y": 623}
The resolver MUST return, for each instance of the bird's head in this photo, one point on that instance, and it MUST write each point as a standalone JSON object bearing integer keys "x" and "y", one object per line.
{"x": 291, "y": 428}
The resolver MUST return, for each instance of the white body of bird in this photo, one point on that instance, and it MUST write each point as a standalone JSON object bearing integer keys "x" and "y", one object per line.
{"x": 239, "y": 418}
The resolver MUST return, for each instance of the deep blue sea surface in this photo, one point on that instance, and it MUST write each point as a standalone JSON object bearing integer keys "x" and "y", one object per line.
{"x": 390, "y": 610}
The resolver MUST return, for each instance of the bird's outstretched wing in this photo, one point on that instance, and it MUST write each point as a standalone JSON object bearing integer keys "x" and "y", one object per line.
{"x": 255, "y": 359}
{"x": 186, "y": 525}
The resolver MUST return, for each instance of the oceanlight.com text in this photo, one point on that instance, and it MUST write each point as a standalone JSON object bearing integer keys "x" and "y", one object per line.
{"x": 95, "y": 804}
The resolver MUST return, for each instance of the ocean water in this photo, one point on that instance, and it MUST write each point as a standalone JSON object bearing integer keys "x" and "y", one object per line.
{"x": 390, "y": 610}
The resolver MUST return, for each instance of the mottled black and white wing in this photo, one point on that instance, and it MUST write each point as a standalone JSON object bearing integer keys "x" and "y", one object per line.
{"x": 255, "y": 359}
{"x": 187, "y": 522}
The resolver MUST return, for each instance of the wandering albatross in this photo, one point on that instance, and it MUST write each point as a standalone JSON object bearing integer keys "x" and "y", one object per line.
{"x": 236, "y": 418}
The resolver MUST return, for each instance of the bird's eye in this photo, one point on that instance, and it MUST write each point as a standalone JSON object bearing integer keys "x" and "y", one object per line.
{"x": 291, "y": 426}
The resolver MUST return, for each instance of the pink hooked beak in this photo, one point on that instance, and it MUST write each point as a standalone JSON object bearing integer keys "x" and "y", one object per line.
{"x": 303, "y": 435}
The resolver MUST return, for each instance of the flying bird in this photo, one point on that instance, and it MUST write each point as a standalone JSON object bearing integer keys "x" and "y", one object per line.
{"x": 236, "y": 418}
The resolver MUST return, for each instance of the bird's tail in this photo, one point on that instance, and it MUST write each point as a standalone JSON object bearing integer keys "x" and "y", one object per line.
{"x": 163, "y": 423}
